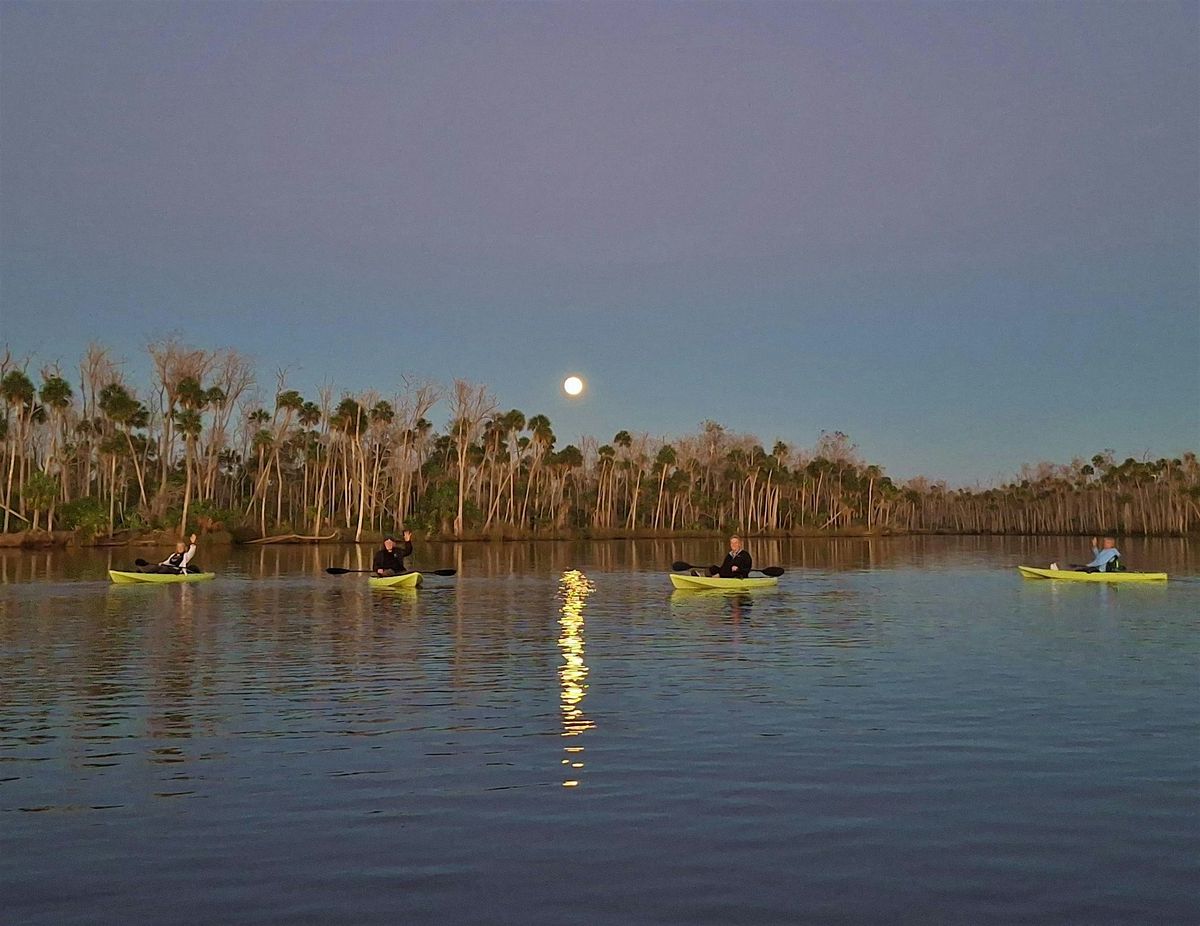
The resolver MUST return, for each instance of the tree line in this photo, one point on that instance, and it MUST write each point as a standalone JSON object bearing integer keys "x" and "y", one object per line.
{"x": 203, "y": 444}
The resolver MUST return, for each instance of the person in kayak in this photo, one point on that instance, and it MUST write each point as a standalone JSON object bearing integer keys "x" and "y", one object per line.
{"x": 1104, "y": 559}
{"x": 178, "y": 563}
{"x": 390, "y": 560}
{"x": 737, "y": 561}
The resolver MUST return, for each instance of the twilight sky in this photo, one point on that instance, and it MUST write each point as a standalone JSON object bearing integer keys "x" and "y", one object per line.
{"x": 935, "y": 226}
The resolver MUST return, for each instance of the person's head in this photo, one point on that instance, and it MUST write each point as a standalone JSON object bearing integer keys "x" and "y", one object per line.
{"x": 1110, "y": 542}
{"x": 181, "y": 547}
{"x": 735, "y": 543}
{"x": 389, "y": 544}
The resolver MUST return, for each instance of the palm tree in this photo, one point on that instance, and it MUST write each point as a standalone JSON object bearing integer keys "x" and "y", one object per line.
{"x": 350, "y": 421}
{"x": 192, "y": 399}
{"x": 623, "y": 441}
{"x": 56, "y": 396}
{"x": 128, "y": 414}
{"x": 17, "y": 391}
{"x": 291, "y": 404}
{"x": 39, "y": 492}
{"x": 664, "y": 462}
{"x": 381, "y": 416}
{"x": 470, "y": 405}
{"x": 542, "y": 442}
{"x": 567, "y": 461}
{"x": 605, "y": 469}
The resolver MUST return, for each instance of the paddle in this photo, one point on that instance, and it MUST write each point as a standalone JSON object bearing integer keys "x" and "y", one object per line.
{"x": 141, "y": 563}
{"x": 773, "y": 571}
{"x": 337, "y": 571}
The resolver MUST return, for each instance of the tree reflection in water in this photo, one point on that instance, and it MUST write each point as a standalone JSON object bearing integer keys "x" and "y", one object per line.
{"x": 573, "y": 589}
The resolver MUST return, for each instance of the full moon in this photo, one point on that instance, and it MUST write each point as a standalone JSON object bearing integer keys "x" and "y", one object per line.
{"x": 572, "y": 385}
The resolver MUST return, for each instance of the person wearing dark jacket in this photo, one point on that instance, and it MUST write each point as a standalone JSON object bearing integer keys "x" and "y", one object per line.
{"x": 737, "y": 562}
{"x": 390, "y": 560}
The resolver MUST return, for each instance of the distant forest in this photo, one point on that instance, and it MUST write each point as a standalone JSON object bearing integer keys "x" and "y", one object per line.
{"x": 205, "y": 445}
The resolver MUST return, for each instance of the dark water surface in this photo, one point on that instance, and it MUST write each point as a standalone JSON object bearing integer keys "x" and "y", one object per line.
{"x": 905, "y": 731}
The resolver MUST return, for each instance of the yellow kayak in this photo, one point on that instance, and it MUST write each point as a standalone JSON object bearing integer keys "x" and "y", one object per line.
{"x": 404, "y": 580}
{"x": 1075, "y": 575}
{"x": 711, "y": 582}
{"x": 157, "y": 578}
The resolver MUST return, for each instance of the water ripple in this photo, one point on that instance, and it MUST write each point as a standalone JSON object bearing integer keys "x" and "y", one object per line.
{"x": 937, "y": 744}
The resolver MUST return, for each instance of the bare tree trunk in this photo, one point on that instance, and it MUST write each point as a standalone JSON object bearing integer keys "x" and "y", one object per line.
{"x": 187, "y": 485}
{"x": 112, "y": 497}
{"x": 470, "y": 404}
{"x": 362, "y": 489}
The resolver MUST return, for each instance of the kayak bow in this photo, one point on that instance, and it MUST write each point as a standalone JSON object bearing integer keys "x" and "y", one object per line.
{"x": 404, "y": 580}
{"x": 1075, "y": 575}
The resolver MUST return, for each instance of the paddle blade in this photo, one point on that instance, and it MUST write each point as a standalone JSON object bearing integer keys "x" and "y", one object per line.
{"x": 681, "y": 567}
{"x": 140, "y": 562}
{"x": 773, "y": 571}
{"x": 336, "y": 571}
{"x": 441, "y": 572}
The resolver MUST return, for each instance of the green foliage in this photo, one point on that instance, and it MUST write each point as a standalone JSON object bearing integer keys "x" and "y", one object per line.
{"x": 382, "y": 413}
{"x": 135, "y": 521}
{"x": 543, "y": 433}
{"x": 438, "y": 508}
{"x": 120, "y": 406}
{"x": 87, "y": 514}
{"x": 570, "y": 456}
{"x": 189, "y": 423}
{"x": 290, "y": 400}
{"x": 206, "y": 509}
{"x": 310, "y": 414}
{"x": 349, "y": 417}
{"x": 16, "y": 388}
{"x": 55, "y": 392}
{"x": 434, "y": 467}
{"x": 40, "y": 491}
{"x": 191, "y": 395}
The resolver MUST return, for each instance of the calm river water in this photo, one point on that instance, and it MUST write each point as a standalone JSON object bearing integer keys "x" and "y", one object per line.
{"x": 905, "y": 731}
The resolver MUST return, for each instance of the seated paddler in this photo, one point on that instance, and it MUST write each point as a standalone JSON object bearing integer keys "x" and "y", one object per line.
{"x": 389, "y": 561}
{"x": 737, "y": 562}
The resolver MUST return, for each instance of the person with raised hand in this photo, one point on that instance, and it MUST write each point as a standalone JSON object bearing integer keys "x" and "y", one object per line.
{"x": 179, "y": 562}
{"x": 1106, "y": 558}
{"x": 389, "y": 561}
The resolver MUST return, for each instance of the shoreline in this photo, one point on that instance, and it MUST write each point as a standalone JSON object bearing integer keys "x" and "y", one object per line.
{"x": 42, "y": 540}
